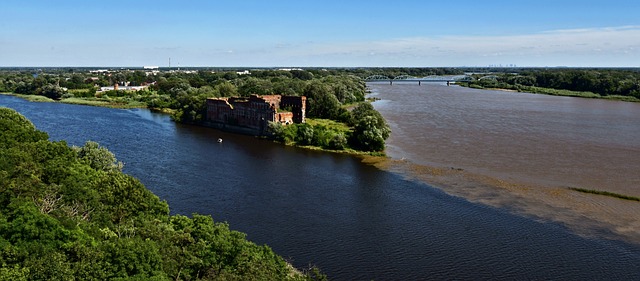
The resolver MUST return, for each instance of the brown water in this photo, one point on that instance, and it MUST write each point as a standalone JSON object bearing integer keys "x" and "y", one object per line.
{"x": 520, "y": 150}
{"x": 352, "y": 220}
{"x": 546, "y": 140}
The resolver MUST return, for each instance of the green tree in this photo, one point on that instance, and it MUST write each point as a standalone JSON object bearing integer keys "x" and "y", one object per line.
{"x": 71, "y": 214}
{"x": 304, "y": 134}
{"x": 51, "y": 91}
{"x": 276, "y": 130}
{"x": 338, "y": 142}
{"x": 255, "y": 86}
{"x": 360, "y": 111}
{"x": 16, "y": 129}
{"x": 321, "y": 102}
{"x": 191, "y": 106}
{"x": 226, "y": 89}
{"x": 370, "y": 133}
{"x": 302, "y": 74}
{"x": 98, "y": 157}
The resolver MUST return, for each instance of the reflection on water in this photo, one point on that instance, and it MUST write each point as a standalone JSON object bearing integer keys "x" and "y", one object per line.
{"x": 354, "y": 221}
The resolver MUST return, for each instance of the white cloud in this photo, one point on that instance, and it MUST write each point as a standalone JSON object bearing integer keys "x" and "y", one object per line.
{"x": 594, "y": 46}
{"x": 610, "y": 46}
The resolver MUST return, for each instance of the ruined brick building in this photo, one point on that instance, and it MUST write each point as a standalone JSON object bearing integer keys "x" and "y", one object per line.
{"x": 251, "y": 115}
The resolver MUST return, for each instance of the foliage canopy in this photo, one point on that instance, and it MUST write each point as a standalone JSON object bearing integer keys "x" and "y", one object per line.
{"x": 71, "y": 214}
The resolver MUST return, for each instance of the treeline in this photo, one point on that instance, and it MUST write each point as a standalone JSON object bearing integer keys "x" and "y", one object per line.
{"x": 393, "y": 72}
{"x": 364, "y": 130}
{"x": 25, "y": 82}
{"x": 62, "y": 84}
{"x": 601, "y": 82}
{"x": 69, "y": 213}
{"x": 326, "y": 93}
{"x": 186, "y": 92}
{"x": 330, "y": 95}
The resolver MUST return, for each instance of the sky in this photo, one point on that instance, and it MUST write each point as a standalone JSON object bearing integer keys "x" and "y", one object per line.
{"x": 320, "y": 33}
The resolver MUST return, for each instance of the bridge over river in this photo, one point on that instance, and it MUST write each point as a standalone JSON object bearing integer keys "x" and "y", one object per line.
{"x": 428, "y": 79}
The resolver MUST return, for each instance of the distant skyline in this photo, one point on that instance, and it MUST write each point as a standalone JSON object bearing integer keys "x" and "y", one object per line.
{"x": 326, "y": 33}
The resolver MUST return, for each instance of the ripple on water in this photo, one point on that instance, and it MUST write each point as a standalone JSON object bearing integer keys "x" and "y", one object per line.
{"x": 354, "y": 221}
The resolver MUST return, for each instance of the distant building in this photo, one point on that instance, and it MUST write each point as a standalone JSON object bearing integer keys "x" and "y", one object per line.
{"x": 91, "y": 79}
{"x": 251, "y": 115}
{"x": 124, "y": 87}
{"x": 99, "y": 71}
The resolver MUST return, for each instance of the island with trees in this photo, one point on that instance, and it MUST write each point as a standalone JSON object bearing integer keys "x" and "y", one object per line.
{"x": 338, "y": 116}
{"x": 615, "y": 84}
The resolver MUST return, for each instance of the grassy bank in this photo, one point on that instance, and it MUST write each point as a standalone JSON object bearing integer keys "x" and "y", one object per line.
{"x": 550, "y": 91}
{"x": 33, "y": 98}
{"x": 330, "y": 124}
{"x": 104, "y": 102}
{"x": 349, "y": 151}
{"x": 112, "y": 103}
{"x": 326, "y": 126}
{"x": 605, "y": 193}
{"x": 163, "y": 110}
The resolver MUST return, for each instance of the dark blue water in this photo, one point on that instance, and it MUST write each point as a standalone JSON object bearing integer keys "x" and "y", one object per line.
{"x": 352, "y": 220}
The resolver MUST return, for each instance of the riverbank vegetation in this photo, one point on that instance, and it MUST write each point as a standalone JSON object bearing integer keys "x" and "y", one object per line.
{"x": 605, "y": 193}
{"x": 364, "y": 130}
{"x": 69, "y": 213}
{"x": 616, "y": 84}
{"x": 331, "y": 96}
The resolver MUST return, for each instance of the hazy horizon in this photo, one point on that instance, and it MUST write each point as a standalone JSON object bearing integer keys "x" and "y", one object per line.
{"x": 306, "y": 67}
{"x": 328, "y": 33}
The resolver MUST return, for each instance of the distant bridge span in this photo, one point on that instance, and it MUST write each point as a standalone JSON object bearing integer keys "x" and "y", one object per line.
{"x": 433, "y": 79}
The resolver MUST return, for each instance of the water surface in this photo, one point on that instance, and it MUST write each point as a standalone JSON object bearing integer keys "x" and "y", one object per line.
{"x": 353, "y": 220}
{"x": 546, "y": 140}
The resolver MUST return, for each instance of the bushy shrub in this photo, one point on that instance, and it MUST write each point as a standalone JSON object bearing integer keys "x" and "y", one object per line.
{"x": 71, "y": 214}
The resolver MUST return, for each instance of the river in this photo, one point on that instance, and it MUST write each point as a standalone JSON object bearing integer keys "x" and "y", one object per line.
{"x": 353, "y": 220}
{"x": 549, "y": 140}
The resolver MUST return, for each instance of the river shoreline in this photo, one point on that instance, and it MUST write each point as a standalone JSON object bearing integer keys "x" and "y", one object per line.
{"x": 79, "y": 101}
{"x": 354, "y": 221}
{"x": 168, "y": 111}
{"x": 475, "y": 168}
{"x": 588, "y": 215}
{"x": 556, "y": 92}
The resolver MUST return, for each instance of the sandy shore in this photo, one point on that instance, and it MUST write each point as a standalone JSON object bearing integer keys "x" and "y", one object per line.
{"x": 587, "y": 215}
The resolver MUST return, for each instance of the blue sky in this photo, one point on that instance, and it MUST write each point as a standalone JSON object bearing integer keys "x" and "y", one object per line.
{"x": 327, "y": 33}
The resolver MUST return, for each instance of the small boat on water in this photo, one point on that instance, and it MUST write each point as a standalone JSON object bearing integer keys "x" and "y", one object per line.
{"x": 219, "y": 140}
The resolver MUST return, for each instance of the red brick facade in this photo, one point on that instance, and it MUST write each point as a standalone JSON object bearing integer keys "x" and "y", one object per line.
{"x": 255, "y": 112}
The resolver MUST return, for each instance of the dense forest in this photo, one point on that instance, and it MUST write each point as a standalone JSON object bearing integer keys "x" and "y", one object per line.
{"x": 69, "y": 213}
{"x": 621, "y": 84}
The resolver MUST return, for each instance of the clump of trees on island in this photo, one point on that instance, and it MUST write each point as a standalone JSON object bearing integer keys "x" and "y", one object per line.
{"x": 69, "y": 213}
{"x": 331, "y": 124}
{"x": 331, "y": 96}
{"x": 621, "y": 84}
